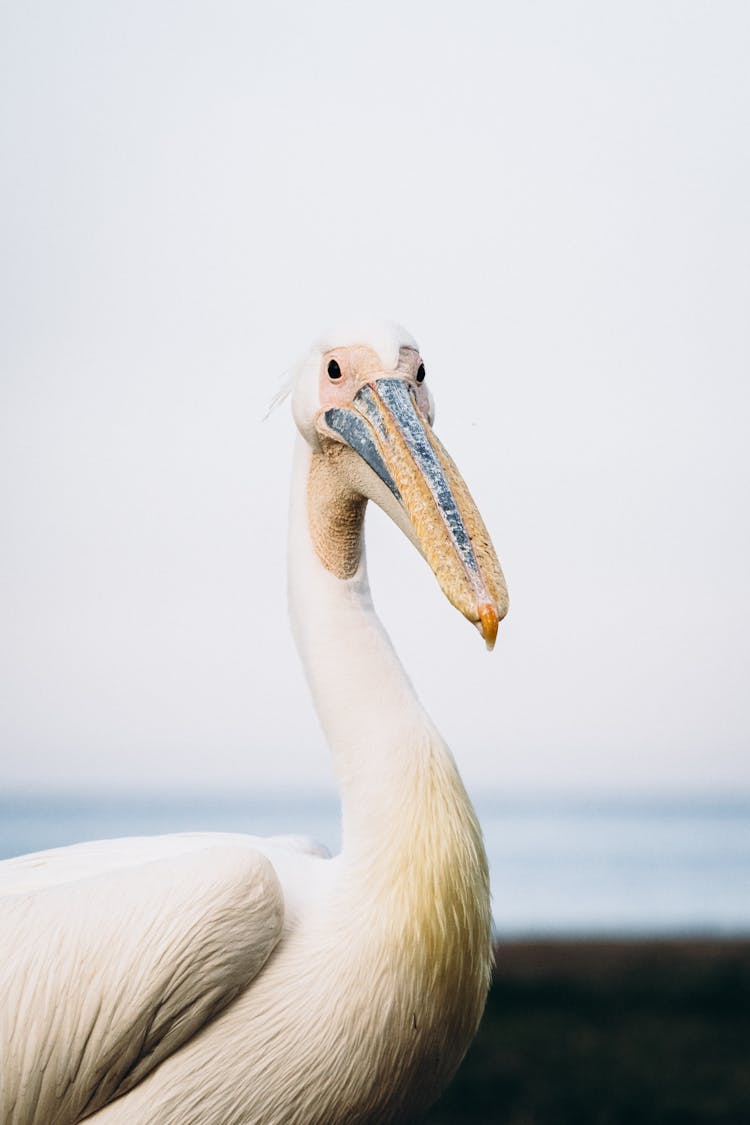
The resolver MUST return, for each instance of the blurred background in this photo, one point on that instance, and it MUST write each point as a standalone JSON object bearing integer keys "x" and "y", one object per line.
{"x": 554, "y": 200}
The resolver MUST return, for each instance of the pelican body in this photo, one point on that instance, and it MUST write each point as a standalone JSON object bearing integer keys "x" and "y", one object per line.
{"x": 219, "y": 979}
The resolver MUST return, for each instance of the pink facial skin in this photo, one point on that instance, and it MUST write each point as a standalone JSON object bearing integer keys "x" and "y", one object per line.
{"x": 360, "y": 365}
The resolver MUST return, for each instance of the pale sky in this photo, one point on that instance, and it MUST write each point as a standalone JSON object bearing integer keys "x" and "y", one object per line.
{"x": 553, "y": 198}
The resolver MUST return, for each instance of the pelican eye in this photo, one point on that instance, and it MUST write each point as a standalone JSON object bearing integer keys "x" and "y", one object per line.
{"x": 334, "y": 371}
{"x": 421, "y": 373}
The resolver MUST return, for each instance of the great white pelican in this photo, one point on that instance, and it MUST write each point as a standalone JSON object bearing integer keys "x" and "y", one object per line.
{"x": 220, "y": 979}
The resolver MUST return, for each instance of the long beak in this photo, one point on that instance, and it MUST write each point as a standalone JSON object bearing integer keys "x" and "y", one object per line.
{"x": 386, "y": 428}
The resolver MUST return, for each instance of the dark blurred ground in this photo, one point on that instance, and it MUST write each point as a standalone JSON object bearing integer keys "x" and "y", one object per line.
{"x": 610, "y": 1033}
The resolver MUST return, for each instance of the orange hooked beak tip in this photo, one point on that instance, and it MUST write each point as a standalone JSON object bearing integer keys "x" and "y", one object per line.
{"x": 489, "y": 622}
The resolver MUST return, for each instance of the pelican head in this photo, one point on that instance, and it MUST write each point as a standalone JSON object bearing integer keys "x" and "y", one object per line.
{"x": 361, "y": 400}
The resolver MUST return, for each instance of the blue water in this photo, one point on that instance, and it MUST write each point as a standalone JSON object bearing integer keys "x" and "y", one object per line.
{"x": 558, "y": 867}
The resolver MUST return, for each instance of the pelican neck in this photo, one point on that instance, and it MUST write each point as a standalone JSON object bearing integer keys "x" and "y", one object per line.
{"x": 379, "y": 734}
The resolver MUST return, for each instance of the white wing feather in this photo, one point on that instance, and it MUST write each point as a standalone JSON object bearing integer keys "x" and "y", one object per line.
{"x": 113, "y": 954}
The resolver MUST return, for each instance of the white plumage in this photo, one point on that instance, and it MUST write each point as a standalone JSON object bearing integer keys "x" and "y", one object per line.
{"x": 218, "y": 979}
